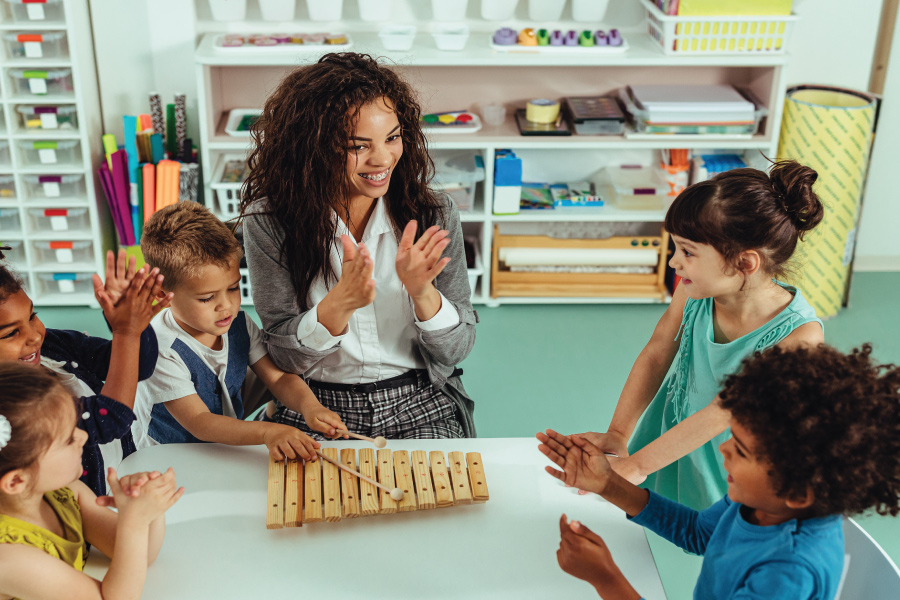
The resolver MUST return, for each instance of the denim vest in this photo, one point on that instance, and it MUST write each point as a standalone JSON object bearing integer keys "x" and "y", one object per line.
{"x": 164, "y": 428}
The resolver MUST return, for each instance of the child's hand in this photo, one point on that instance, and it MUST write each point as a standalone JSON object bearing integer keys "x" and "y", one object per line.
{"x": 285, "y": 441}
{"x": 156, "y": 496}
{"x": 131, "y": 486}
{"x": 355, "y": 288}
{"x": 583, "y": 554}
{"x": 419, "y": 263}
{"x": 324, "y": 421}
{"x": 627, "y": 468}
{"x": 134, "y": 310}
{"x": 584, "y": 465}
{"x": 610, "y": 442}
{"x": 119, "y": 274}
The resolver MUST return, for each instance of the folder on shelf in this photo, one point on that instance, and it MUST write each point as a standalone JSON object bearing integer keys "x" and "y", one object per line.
{"x": 156, "y": 148}
{"x": 129, "y": 123}
{"x": 148, "y": 174}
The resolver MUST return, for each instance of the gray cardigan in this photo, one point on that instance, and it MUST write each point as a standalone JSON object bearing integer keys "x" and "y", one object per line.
{"x": 276, "y": 304}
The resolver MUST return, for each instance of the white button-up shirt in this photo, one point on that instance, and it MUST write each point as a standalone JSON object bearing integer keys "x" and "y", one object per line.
{"x": 381, "y": 339}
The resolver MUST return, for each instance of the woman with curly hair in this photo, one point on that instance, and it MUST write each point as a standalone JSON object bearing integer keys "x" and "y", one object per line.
{"x": 357, "y": 267}
{"x": 815, "y": 434}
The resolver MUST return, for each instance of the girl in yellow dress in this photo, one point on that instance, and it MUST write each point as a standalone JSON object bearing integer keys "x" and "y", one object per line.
{"x": 48, "y": 516}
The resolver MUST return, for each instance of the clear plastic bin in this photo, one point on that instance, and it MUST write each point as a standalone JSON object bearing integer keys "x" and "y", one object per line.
{"x": 65, "y": 283}
{"x": 63, "y": 251}
{"x": 15, "y": 256}
{"x": 37, "y": 82}
{"x": 456, "y": 173}
{"x": 40, "y": 187}
{"x": 28, "y": 44}
{"x": 29, "y": 12}
{"x": 640, "y": 120}
{"x": 9, "y": 221}
{"x": 7, "y": 187}
{"x": 47, "y": 117}
{"x": 228, "y": 178}
{"x": 4, "y": 153}
{"x": 46, "y": 220}
{"x": 49, "y": 152}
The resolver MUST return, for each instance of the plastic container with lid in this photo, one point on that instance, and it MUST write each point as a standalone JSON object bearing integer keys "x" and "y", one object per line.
{"x": 642, "y": 124}
{"x": 397, "y": 37}
{"x": 42, "y": 82}
{"x": 4, "y": 153}
{"x": 40, "y": 187}
{"x": 47, "y": 220}
{"x": 9, "y": 221}
{"x": 638, "y": 187}
{"x": 63, "y": 252}
{"x": 64, "y": 116}
{"x": 7, "y": 187}
{"x": 49, "y": 152}
{"x": 65, "y": 283}
{"x": 25, "y": 11}
{"x": 36, "y": 44}
{"x": 450, "y": 37}
{"x": 456, "y": 173}
{"x": 15, "y": 256}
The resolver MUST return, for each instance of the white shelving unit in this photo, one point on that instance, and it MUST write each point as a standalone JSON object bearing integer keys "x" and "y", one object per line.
{"x": 59, "y": 236}
{"x": 478, "y": 75}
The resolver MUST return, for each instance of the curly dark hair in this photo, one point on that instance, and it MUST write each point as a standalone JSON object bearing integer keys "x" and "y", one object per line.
{"x": 299, "y": 163}
{"x": 10, "y": 282}
{"x": 827, "y": 422}
{"x": 747, "y": 209}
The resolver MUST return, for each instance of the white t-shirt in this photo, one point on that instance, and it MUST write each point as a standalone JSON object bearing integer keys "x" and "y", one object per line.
{"x": 172, "y": 380}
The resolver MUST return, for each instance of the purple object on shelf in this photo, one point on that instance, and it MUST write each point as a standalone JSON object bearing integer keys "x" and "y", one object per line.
{"x": 505, "y": 37}
{"x": 571, "y": 38}
{"x": 281, "y": 38}
{"x": 556, "y": 38}
{"x": 49, "y": 178}
{"x": 600, "y": 38}
{"x": 615, "y": 38}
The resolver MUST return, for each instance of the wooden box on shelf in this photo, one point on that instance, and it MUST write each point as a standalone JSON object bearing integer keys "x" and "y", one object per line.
{"x": 508, "y": 283}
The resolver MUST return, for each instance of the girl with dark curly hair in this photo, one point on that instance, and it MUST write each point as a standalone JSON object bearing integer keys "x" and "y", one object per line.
{"x": 733, "y": 236}
{"x": 357, "y": 267}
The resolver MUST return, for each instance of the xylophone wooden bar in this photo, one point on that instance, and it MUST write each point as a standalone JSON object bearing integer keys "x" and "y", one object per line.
{"x": 299, "y": 491}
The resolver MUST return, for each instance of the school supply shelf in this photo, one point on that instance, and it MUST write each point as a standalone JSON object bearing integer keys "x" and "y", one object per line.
{"x": 453, "y": 83}
{"x": 49, "y": 133}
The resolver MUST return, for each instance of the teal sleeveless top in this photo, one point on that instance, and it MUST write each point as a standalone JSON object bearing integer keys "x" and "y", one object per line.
{"x": 695, "y": 378}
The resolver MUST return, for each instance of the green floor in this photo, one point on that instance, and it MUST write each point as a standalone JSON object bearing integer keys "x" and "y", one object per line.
{"x": 563, "y": 366}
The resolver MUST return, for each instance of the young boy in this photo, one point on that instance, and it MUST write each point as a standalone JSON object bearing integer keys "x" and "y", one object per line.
{"x": 206, "y": 344}
{"x": 815, "y": 435}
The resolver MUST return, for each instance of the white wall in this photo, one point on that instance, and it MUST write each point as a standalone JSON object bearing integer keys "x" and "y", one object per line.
{"x": 145, "y": 46}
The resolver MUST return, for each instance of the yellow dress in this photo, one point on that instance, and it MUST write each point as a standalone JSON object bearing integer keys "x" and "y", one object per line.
{"x": 70, "y": 548}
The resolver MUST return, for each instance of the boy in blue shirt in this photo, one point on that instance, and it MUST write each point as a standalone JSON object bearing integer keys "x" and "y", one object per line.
{"x": 814, "y": 437}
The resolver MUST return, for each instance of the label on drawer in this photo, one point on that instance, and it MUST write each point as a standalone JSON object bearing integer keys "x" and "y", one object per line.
{"x": 33, "y": 50}
{"x": 59, "y": 223}
{"x": 51, "y": 189}
{"x": 47, "y": 156}
{"x": 37, "y": 86}
{"x": 66, "y": 286}
{"x": 49, "y": 121}
{"x": 35, "y": 12}
{"x": 64, "y": 255}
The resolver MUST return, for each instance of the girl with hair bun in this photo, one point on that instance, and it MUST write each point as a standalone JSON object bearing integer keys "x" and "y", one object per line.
{"x": 733, "y": 236}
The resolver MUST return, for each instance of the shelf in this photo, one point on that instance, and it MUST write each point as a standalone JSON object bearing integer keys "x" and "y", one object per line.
{"x": 608, "y": 212}
{"x": 33, "y": 26}
{"x": 52, "y": 169}
{"x": 643, "y": 51}
{"x": 41, "y": 64}
{"x": 60, "y": 299}
{"x": 67, "y": 234}
{"x": 46, "y": 134}
{"x": 569, "y": 300}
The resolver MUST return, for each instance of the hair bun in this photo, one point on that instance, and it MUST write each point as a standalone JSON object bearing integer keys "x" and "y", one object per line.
{"x": 792, "y": 184}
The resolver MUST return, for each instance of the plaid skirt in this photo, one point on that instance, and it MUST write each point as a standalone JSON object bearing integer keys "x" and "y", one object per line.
{"x": 414, "y": 411}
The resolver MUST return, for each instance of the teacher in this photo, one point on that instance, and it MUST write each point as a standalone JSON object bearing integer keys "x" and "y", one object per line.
{"x": 357, "y": 267}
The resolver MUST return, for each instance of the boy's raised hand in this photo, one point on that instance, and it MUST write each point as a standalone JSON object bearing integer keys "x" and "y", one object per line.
{"x": 419, "y": 262}
{"x": 583, "y": 554}
{"x": 324, "y": 421}
{"x": 137, "y": 306}
{"x": 284, "y": 441}
{"x": 583, "y": 464}
{"x": 157, "y": 495}
{"x": 119, "y": 273}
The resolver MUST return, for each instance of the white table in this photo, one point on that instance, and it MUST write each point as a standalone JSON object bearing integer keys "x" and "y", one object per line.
{"x": 217, "y": 545}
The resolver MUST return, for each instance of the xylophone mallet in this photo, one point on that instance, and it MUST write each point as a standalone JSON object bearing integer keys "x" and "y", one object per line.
{"x": 396, "y": 493}
{"x": 379, "y": 441}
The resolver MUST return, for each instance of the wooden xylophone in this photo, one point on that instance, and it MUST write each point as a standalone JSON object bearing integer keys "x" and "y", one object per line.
{"x": 309, "y": 492}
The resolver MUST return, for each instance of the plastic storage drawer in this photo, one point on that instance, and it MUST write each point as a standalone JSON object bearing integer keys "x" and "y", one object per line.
{"x": 47, "y": 117}
{"x": 42, "y": 82}
{"x": 4, "y": 153}
{"x": 7, "y": 187}
{"x": 39, "y": 187}
{"x": 9, "y": 221}
{"x": 456, "y": 173}
{"x": 15, "y": 256}
{"x": 46, "y": 220}
{"x": 63, "y": 252}
{"x": 48, "y": 152}
{"x": 46, "y": 44}
{"x": 32, "y": 12}
{"x": 64, "y": 283}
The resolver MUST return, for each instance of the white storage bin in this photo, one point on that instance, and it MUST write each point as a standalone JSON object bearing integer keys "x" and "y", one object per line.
{"x": 29, "y": 12}
{"x": 228, "y": 10}
{"x": 498, "y": 10}
{"x": 277, "y": 10}
{"x": 15, "y": 256}
{"x": 397, "y": 37}
{"x": 47, "y": 44}
{"x": 545, "y": 10}
{"x": 227, "y": 181}
{"x": 325, "y": 10}
{"x": 41, "y": 187}
{"x": 375, "y": 10}
{"x": 7, "y": 187}
{"x": 35, "y": 82}
{"x": 47, "y": 220}
{"x": 9, "y": 221}
{"x": 589, "y": 10}
{"x": 65, "y": 283}
{"x": 450, "y": 37}
{"x": 49, "y": 152}
{"x": 449, "y": 10}
{"x": 63, "y": 251}
{"x": 456, "y": 173}
{"x": 4, "y": 153}
{"x": 47, "y": 117}
{"x": 246, "y": 291}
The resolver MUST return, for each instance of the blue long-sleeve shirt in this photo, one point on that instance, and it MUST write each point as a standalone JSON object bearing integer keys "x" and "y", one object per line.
{"x": 797, "y": 559}
{"x": 108, "y": 420}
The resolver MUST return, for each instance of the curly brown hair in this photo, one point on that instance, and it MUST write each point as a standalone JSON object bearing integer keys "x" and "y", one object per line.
{"x": 10, "y": 281}
{"x": 298, "y": 166}
{"x": 747, "y": 209}
{"x": 826, "y": 422}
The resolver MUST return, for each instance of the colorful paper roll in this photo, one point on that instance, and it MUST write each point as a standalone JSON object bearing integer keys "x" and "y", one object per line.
{"x": 830, "y": 130}
{"x": 542, "y": 110}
